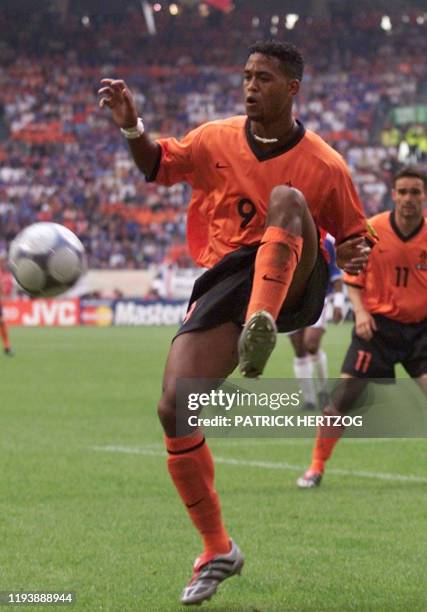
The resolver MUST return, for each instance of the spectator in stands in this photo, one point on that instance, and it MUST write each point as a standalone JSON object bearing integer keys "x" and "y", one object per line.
{"x": 61, "y": 163}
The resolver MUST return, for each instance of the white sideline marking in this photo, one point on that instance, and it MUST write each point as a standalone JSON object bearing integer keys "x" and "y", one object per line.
{"x": 293, "y": 441}
{"x": 304, "y": 441}
{"x": 154, "y": 450}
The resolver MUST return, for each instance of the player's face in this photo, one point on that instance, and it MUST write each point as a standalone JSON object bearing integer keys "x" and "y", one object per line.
{"x": 409, "y": 197}
{"x": 267, "y": 89}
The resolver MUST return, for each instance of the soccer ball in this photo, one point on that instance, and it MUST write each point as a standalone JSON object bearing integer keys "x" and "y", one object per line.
{"x": 46, "y": 259}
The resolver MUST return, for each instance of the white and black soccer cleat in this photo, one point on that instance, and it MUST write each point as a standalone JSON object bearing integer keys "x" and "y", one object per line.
{"x": 310, "y": 480}
{"x": 209, "y": 572}
{"x": 256, "y": 343}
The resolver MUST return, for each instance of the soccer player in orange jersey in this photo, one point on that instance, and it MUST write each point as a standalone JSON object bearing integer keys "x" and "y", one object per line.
{"x": 262, "y": 185}
{"x": 390, "y": 306}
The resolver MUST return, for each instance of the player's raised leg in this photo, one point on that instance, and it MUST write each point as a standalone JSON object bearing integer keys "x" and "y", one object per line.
{"x": 284, "y": 262}
{"x": 206, "y": 354}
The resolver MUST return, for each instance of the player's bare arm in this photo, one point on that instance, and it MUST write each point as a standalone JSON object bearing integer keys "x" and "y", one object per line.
{"x": 365, "y": 323}
{"x": 116, "y": 95}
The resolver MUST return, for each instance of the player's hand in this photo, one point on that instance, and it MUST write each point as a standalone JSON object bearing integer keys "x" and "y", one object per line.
{"x": 337, "y": 315}
{"x": 352, "y": 255}
{"x": 116, "y": 95}
{"x": 365, "y": 325}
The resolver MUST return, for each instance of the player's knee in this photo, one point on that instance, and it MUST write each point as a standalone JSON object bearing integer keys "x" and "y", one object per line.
{"x": 286, "y": 204}
{"x": 312, "y": 347}
{"x": 166, "y": 411}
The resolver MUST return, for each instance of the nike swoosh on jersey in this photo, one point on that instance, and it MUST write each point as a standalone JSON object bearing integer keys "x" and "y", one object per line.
{"x": 220, "y": 166}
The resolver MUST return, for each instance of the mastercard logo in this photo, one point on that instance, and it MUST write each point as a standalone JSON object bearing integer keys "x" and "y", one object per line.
{"x": 103, "y": 316}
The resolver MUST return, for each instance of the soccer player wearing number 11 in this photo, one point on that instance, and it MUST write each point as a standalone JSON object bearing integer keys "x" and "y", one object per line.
{"x": 262, "y": 186}
{"x": 390, "y": 305}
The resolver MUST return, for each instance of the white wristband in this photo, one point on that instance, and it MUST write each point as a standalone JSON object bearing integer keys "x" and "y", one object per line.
{"x": 339, "y": 300}
{"x": 134, "y": 132}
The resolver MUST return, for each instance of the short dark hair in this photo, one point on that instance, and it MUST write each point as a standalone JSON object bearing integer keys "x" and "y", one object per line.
{"x": 288, "y": 55}
{"x": 411, "y": 172}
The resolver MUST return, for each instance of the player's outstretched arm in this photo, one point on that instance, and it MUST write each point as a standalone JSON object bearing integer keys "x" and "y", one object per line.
{"x": 115, "y": 95}
{"x": 365, "y": 323}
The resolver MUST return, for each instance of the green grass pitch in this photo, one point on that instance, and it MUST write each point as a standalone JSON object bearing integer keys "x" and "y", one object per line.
{"x": 108, "y": 525}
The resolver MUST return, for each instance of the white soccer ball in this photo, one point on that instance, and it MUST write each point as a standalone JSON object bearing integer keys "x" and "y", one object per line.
{"x": 46, "y": 259}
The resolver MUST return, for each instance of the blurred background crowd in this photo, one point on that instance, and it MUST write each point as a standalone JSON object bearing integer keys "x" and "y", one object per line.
{"x": 61, "y": 158}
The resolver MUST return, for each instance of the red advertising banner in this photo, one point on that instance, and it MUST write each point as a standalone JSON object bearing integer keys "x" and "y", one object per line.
{"x": 42, "y": 313}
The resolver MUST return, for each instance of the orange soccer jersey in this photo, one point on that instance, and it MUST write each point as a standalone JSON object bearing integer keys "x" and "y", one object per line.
{"x": 232, "y": 179}
{"x": 394, "y": 283}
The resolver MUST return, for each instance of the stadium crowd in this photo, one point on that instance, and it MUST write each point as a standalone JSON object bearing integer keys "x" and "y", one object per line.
{"x": 63, "y": 161}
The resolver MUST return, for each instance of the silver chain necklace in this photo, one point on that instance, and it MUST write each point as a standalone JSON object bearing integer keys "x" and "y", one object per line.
{"x": 268, "y": 140}
{"x": 265, "y": 140}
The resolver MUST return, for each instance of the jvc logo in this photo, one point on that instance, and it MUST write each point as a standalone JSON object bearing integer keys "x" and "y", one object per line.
{"x": 49, "y": 313}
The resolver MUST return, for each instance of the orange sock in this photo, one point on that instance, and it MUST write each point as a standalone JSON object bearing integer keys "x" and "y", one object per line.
{"x": 4, "y": 335}
{"x": 275, "y": 264}
{"x": 326, "y": 438}
{"x": 191, "y": 467}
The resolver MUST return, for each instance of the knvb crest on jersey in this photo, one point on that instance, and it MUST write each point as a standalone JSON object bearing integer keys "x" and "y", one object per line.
{"x": 422, "y": 264}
